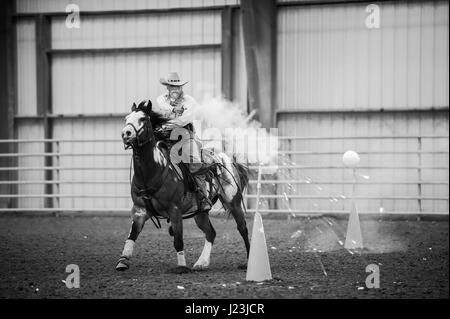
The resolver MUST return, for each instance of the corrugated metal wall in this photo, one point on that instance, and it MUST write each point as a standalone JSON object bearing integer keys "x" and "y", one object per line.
{"x": 146, "y": 30}
{"x": 323, "y": 181}
{"x": 328, "y": 58}
{"x": 26, "y": 105}
{"x": 96, "y": 180}
{"x": 106, "y": 5}
{"x": 26, "y": 67}
{"x": 109, "y": 83}
{"x": 31, "y": 129}
{"x": 104, "y": 83}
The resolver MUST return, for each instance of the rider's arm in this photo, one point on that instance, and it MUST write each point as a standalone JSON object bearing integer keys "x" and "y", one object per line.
{"x": 162, "y": 107}
{"x": 184, "y": 119}
{"x": 187, "y": 117}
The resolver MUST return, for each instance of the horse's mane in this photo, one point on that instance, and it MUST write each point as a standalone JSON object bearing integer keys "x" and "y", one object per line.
{"x": 156, "y": 119}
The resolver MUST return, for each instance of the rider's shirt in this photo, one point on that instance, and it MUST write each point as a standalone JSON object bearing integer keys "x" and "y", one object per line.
{"x": 180, "y": 111}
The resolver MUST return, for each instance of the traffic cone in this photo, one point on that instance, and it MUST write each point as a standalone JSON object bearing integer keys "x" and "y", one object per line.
{"x": 353, "y": 240}
{"x": 258, "y": 268}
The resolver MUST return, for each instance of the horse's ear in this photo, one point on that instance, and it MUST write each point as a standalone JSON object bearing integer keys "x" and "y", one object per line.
{"x": 146, "y": 107}
{"x": 141, "y": 105}
{"x": 133, "y": 107}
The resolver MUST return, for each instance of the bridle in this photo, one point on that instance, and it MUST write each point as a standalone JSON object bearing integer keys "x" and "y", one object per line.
{"x": 141, "y": 140}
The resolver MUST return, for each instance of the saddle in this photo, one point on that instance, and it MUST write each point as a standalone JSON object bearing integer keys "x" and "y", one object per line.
{"x": 209, "y": 166}
{"x": 148, "y": 193}
{"x": 209, "y": 169}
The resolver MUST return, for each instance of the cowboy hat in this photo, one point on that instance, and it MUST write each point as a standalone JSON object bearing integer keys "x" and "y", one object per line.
{"x": 172, "y": 79}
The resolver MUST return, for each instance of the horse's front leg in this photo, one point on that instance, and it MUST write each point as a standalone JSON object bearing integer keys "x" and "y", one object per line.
{"x": 177, "y": 227}
{"x": 139, "y": 217}
{"x": 203, "y": 222}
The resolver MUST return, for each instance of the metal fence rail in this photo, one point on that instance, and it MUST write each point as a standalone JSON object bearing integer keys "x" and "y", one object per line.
{"x": 430, "y": 168}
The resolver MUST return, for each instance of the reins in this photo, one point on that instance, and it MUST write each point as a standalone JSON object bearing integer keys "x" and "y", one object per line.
{"x": 148, "y": 192}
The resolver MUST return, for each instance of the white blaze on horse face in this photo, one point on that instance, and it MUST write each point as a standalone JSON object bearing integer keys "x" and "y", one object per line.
{"x": 134, "y": 119}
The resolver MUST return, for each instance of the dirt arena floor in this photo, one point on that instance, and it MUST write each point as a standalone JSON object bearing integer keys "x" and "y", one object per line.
{"x": 306, "y": 256}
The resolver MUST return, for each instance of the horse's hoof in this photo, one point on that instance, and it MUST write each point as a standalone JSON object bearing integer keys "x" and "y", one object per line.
{"x": 201, "y": 264}
{"x": 199, "y": 267}
{"x": 242, "y": 266}
{"x": 121, "y": 267}
{"x": 181, "y": 270}
{"x": 122, "y": 264}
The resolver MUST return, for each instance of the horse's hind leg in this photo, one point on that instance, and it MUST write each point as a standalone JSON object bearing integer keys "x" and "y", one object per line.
{"x": 235, "y": 208}
{"x": 139, "y": 216}
{"x": 203, "y": 222}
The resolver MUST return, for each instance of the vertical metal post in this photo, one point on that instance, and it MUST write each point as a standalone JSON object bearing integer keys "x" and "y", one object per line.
{"x": 227, "y": 52}
{"x": 8, "y": 97}
{"x": 43, "y": 91}
{"x": 258, "y": 18}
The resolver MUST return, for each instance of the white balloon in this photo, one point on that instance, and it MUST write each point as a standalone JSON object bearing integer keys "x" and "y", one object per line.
{"x": 350, "y": 159}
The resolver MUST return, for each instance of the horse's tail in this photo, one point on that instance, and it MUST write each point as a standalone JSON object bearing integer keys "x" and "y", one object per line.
{"x": 243, "y": 174}
{"x": 235, "y": 173}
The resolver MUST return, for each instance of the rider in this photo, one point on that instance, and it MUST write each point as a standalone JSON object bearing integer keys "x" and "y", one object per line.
{"x": 178, "y": 107}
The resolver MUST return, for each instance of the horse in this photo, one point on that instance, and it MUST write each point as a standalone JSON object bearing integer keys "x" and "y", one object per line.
{"x": 158, "y": 191}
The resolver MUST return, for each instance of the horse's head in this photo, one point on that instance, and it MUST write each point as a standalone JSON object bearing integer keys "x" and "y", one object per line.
{"x": 138, "y": 127}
